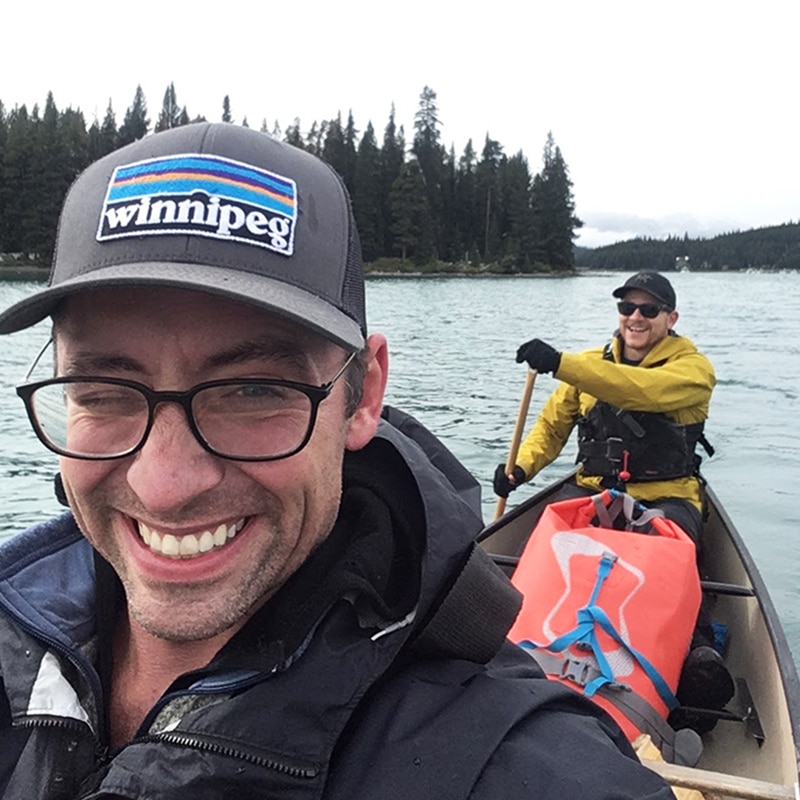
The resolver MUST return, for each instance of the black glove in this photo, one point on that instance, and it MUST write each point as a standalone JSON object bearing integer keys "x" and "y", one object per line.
{"x": 539, "y": 355}
{"x": 502, "y": 485}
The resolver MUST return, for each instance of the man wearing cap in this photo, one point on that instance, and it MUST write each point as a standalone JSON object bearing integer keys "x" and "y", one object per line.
{"x": 639, "y": 403}
{"x": 263, "y": 586}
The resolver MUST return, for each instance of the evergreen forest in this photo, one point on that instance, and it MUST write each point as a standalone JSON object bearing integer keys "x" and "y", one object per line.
{"x": 773, "y": 248}
{"x": 418, "y": 205}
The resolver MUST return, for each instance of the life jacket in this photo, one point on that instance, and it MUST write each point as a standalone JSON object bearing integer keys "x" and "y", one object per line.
{"x": 611, "y": 612}
{"x": 637, "y": 446}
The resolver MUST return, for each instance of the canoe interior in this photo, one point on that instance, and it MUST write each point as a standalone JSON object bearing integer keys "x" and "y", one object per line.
{"x": 757, "y": 649}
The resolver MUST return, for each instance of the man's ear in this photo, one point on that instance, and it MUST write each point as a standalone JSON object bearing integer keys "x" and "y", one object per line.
{"x": 364, "y": 422}
{"x": 672, "y": 319}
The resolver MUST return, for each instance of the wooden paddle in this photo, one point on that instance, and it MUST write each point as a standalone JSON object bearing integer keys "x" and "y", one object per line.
{"x": 517, "y": 438}
{"x": 720, "y": 783}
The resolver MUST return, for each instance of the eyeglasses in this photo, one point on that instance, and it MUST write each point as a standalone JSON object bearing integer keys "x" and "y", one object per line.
{"x": 649, "y": 310}
{"x": 248, "y": 419}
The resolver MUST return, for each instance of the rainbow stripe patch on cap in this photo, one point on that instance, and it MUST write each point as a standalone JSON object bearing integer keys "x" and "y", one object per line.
{"x": 200, "y": 195}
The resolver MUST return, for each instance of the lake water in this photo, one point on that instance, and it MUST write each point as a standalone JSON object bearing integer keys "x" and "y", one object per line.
{"x": 452, "y": 343}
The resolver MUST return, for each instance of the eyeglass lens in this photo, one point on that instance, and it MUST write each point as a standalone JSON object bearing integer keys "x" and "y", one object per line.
{"x": 247, "y": 420}
{"x": 649, "y": 310}
{"x": 91, "y": 418}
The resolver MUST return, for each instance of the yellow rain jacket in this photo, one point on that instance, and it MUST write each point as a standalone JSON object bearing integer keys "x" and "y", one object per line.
{"x": 674, "y": 378}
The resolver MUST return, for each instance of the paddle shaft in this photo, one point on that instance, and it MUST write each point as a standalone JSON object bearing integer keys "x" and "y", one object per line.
{"x": 519, "y": 429}
{"x": 728, "y": 785}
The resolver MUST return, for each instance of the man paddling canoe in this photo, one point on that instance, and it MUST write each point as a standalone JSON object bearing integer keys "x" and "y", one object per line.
{"x": 639, "y": 404}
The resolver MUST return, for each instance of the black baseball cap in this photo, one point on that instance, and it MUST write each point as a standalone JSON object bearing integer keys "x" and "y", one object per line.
{"x": 653, "y": 283}
{"x": 216, "y": 208}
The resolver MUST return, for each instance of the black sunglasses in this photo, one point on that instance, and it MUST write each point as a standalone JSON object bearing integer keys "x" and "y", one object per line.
{"x": 649, "y": 310}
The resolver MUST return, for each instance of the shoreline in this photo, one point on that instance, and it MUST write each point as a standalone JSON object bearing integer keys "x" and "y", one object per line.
{"x": 14, "y": 273}
{"x": 42, "y": 274}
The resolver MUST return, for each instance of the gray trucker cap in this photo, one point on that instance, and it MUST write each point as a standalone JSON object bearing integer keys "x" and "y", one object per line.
{"x": 216, "y": 208}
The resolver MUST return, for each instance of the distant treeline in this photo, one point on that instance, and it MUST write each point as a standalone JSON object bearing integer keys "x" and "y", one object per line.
{"x": 417, "y": 206}
{"x": 776, "y": 247}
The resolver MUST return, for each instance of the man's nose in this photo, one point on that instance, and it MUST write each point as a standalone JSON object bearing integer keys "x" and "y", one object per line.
{"x": 172, "y": 467}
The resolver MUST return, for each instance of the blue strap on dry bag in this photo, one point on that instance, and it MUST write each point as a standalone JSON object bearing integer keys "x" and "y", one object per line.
{"x": 583, "y": 634}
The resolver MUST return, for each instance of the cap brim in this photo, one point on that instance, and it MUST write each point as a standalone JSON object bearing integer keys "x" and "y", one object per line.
{"x": 277, "y": 297}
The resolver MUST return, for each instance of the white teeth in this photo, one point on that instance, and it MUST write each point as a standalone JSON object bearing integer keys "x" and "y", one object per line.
{"x": 220, "y": 536}
{"x": 206, "y": 541}
{"x": 170, "y": 546}
{"x": 189, "y": 545}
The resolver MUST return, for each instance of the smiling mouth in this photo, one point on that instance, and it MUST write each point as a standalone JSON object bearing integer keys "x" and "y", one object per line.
{"x": 189, "y": 545}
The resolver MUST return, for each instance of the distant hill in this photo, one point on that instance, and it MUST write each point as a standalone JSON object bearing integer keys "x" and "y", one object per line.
{"x": 776, "y": 247}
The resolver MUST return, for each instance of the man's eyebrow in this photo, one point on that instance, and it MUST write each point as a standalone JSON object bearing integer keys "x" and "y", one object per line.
{"x": 270, "y": 350}
{"x": 79, "y": 364}
{"x": 285, "y": 352}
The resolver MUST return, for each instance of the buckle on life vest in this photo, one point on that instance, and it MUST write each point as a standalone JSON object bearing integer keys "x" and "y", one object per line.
{"x": 579, "y": 670}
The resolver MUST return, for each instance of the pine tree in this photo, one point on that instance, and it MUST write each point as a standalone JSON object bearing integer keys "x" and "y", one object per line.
{"x": 430, "y": 155}
{"x": 349, "y": 153}
{"x": 392, "y": 158}
{"x": 315, "y": 137}
{"x": 553, "y": 207}
{"x": 19, "y": 197}
{"x": 67, "y": 155}
{"x": 108, "y": 134}
{"x": 293, "y": 135}
{"x": 426, "y": 146}
{"x": 226, "y": 109}
{"x": 452, "y": 245}
{"x": 366, "y": 195}
{"x": 487, "y": 176}
{"x": 517, "y": 217}
{"x": 136, "y": 124}
{"x": 411, "y": 226}
{"x": 72, "y": 130}
{"x": 333, "y": 147}
{"x": 3, "y": 139}
{"x": 467, "y": 205}
{"x": 170, "y": 116}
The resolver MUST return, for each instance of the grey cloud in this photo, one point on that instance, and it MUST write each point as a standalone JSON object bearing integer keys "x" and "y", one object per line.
{"x": 632, "y": 225}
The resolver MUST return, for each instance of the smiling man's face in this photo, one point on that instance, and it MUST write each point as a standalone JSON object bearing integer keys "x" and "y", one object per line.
{"x": 639, "y": 333}
{"x": 200, "y": 541}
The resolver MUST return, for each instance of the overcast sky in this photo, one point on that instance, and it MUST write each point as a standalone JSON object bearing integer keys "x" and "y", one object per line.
{"x": 673, "y": 117}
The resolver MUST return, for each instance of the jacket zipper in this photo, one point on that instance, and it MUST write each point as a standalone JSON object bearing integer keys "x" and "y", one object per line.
{"x": 69, "y": 725}
{"x": 211, "y": 745}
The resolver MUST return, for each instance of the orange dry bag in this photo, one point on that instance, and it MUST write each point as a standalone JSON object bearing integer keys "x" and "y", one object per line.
{"x": 610, "y": 612}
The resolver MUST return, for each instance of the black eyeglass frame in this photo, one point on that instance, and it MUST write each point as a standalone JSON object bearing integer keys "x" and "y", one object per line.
{"x": 315, "y": 394}
{"x": 653, "y": 309}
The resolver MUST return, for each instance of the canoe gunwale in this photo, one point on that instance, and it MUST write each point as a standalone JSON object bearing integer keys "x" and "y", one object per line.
{"x": 786, "y": 665}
